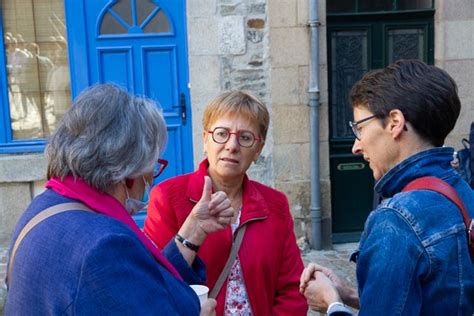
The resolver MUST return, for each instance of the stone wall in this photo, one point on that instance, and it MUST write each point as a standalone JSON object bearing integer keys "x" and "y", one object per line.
{"x": 454, "y": 52}
{"x": 21, "y": 178}
{"x": 290, "y": 59}
{"x": 263, "y": 46}
{"x": 228, "y": 50}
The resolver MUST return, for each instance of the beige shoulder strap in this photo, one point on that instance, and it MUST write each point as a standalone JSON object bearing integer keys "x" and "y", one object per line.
{"x": 50, "y": 211}
{"x": 233, "y": 254}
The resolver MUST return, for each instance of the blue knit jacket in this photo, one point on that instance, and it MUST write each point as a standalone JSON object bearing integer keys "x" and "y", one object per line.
{"x": 81, "y": 263}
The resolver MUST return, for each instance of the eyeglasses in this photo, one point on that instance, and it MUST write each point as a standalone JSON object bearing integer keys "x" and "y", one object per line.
{"x": 160, "y": 167}
{"x": 356, "y": 129}
{"x": 245, "y": 138}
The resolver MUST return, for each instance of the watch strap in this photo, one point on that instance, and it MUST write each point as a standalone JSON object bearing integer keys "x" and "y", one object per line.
{"x": 186, "y": 243}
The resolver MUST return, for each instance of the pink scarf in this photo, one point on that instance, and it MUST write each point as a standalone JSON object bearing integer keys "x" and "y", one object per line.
{"x": 106, "y": 204}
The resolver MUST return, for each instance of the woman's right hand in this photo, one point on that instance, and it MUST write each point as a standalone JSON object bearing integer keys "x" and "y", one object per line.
{"x": 347, "y": 293}
{"x": 209, "y": 308}
{"x": 212, "y": 212}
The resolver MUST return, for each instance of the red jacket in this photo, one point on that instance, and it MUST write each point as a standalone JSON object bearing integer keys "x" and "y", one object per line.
{"x": 270, "y": 259}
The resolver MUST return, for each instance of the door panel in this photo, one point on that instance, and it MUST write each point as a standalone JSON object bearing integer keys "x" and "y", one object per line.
{"x": 357, "y": 44}
{"x": 116, "y": 65}
{"x": 350, "y": 57}
{"x": 161, "y": 82}
{"x": 140, "y": 45}
{"x": 406, "y": 42}
{"x": 350, "y": 175}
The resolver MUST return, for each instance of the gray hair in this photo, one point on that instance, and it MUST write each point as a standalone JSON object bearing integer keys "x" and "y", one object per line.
{"x": 106, "y": 136}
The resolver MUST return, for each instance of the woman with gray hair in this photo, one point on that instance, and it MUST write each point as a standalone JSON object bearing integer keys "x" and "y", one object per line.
{"x": 76, "y": 249}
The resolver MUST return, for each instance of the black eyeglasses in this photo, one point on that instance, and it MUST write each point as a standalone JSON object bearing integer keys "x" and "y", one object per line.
{"x": 245, "y": 138}
{"x": 160, "y": 167}
{"x": 356, "y": 129}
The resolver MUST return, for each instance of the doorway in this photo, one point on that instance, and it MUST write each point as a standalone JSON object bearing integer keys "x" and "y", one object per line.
{"x": 357, "y": 43}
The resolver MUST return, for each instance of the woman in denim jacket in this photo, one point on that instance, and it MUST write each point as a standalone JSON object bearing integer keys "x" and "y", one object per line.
{"x": 413, "y": 257}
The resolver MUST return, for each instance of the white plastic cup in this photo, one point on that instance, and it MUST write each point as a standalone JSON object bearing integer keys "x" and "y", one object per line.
{"x": 202, "y": 291}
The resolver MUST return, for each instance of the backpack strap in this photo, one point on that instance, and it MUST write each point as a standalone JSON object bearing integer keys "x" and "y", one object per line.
{"x": 443, "y": 188}
{"x": 471, "y": 148}
{"x": 38, "y": 218}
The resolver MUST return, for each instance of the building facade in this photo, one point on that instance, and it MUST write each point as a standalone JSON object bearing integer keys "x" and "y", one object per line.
{"x": 183, "y": 53}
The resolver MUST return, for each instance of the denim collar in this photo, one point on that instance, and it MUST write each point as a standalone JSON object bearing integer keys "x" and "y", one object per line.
{"x": 433, "y": 161}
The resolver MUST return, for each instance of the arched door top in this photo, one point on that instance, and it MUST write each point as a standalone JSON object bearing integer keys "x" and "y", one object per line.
{"x": 134, "y": 17}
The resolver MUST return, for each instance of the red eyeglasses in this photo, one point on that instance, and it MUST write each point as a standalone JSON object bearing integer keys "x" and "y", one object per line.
{"x": 160, "y": 167}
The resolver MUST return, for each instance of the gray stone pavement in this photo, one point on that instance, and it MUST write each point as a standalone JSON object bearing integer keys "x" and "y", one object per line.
{"x": 336, "y": 259}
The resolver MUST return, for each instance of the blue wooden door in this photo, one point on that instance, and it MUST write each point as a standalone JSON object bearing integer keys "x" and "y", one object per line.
{"x": 141, "y": 45}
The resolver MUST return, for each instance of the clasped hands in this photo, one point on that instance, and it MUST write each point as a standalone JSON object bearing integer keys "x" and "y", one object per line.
{"x": 321, "y": 287}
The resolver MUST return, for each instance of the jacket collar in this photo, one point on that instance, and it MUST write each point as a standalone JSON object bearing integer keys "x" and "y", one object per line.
{"x": 254, "y": 205}
{"x": 430, "y": 162}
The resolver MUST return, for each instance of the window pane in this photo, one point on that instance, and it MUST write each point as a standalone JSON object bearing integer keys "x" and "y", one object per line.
{"x": 124, "y": 10}
{"x": 405, "y": 44}
{"x": 159, "y": 24}
{"x": 37, "y": 66}
{"x": 340, "y": 6}
{"x": 110, "y": 25}
{"x": 144, "y": 8}
{"x": 375, "y": 5}
{"x": 148, "y": 19}
{"x": 349, "y": 61}
{"x": 414, "y": 4}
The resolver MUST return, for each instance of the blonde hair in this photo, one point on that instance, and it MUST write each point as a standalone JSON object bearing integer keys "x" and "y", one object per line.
{"x": 237, "y": 103}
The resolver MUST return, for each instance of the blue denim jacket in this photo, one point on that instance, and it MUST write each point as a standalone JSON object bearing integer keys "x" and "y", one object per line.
{"x": 413, "y": 257}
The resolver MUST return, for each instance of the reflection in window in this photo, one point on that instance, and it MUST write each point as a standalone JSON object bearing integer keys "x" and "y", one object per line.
{"x": 37, "y": 66}
{"x": 405, "y": 44}
{"x": 134, "y": 16}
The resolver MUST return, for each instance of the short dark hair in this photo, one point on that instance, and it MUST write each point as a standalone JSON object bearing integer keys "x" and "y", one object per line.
{"x": 426, "y": 95}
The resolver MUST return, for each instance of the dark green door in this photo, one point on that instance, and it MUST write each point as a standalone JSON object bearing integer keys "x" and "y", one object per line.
{"x": 358, "y": 43}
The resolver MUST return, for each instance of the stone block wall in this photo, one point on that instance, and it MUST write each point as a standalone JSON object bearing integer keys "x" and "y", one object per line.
{"x": 290, "y": 59}
{"x": 454, "y": 52}
{"x": 228, "y": 50}
{"x": 263, "y": 46}
{"x": 21, "y": 178}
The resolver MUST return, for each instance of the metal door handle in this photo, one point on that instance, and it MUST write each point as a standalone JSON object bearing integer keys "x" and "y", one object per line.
{"x": 182, "y": 107}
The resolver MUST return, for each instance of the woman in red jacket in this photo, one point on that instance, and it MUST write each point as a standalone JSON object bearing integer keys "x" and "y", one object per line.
{"x": 264, "y": 277}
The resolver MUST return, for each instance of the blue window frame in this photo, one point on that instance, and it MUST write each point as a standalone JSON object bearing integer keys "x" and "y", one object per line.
{"x": 7, "y": 143}
{"x": 34, "y": 74}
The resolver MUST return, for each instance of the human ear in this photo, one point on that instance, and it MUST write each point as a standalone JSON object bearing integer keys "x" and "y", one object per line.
{"x": 129, "y": 183}
{"x": 396, "y": 123}
{"x": 257, "y": 154}
{"x": 204, "y": 141}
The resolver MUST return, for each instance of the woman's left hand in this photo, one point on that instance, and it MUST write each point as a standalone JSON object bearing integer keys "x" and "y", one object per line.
{"x": 320, "y": 292}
